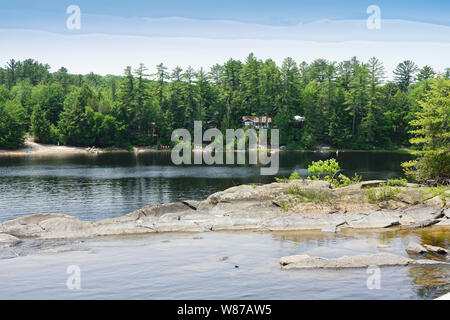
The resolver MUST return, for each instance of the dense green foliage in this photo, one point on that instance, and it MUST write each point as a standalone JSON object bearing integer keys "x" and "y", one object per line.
{"x": 330, "y": 167}
{"x": 346, "y": 105}
{"x": 12, "y": 127}
{"x": 327, "y": 171}
{"x": 431, "y": 131}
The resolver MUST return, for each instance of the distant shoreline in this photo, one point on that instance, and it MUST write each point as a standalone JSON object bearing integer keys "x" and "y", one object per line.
{"x": 36, "y": 149}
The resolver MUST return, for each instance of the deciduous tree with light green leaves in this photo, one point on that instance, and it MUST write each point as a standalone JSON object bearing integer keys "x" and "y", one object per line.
{"x": 12, "y": 124}
{"x": 432, "y": 135}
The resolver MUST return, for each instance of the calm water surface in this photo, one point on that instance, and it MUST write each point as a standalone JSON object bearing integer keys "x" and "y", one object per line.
{"x": 203, "y": 266}
{"x": 111, "y": 185}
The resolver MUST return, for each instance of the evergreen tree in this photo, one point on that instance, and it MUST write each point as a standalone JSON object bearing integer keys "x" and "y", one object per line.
{"x": 404, "y": 74}
{"x": 426, "y": 73}
{"x": 432, "y": 135}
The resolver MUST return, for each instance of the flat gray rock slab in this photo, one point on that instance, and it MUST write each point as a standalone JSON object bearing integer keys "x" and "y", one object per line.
{"x": 305, "y": 261}
{"x": 245, "y": 207}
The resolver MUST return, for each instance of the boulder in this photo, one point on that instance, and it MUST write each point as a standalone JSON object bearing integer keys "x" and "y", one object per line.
{"x": 415, "y": 248}
{"x": 410, "y": 196}
{"x": 435, "y": 202}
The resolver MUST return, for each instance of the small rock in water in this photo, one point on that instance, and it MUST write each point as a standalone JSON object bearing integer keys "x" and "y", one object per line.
{"x": 414, "y": 247}
{"x": 236, "y": 266}
{"x": 223, "y": 258}
{"x": 435, "y": 249}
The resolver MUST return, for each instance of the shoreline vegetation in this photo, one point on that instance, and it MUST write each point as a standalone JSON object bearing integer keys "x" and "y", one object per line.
{"x": 31, "y": 148}
{"x": 324, "y": 105}
{"x": 346, "y": 105}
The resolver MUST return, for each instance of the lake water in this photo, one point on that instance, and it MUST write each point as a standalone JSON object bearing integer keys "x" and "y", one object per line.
{"x": 228, "y": 265}
{"x": 111, "y": 185}
{"x": 203, "y": 266}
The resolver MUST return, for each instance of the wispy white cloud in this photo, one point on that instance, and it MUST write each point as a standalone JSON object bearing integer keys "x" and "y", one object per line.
{"x": 110, "y": 53}
{"x": 319, "y": 31}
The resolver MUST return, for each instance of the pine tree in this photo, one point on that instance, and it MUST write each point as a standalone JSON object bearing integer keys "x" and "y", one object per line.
{"x": 404, "y": 74}
{"x": 432, "y": 136}
{"x": 426, "y": 73}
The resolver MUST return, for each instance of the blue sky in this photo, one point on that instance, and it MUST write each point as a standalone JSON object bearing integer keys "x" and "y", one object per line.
{"x": 200, "y": 33}
{"x": 275, "y": 12}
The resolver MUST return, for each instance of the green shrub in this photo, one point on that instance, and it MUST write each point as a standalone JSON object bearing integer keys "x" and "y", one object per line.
{"x": 325, "y": 171}
{"x": 294, "y": 176}
{"x": 382, "y": 194}
{"x": 343, "y": 181}
{"x": 330, "y": 167}
{"x": 397, "y": 182}
{"x": 285, "y": 205}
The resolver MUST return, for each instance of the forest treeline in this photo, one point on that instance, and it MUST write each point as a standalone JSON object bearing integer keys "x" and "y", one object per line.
{"x": 347, "y": 105}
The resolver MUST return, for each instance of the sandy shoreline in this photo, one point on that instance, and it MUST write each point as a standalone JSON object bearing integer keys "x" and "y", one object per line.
{"x": 36, "y": 149}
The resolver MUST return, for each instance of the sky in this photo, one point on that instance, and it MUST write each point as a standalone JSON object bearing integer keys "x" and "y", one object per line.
{"x": 201, "y": 33}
